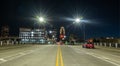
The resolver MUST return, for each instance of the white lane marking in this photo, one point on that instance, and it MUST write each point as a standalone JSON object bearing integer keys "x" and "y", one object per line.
{"x": 2, "y": 59}
{"x": 97, "y": 56}
{"x": 104, "y": 59}
{"x": 14, "y": 57}
{"x": 20, "y": 54}
{"x": 77, "y": 50}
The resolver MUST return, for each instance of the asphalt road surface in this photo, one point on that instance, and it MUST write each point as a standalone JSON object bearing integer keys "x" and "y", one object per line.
{"x": 55, "y": 55}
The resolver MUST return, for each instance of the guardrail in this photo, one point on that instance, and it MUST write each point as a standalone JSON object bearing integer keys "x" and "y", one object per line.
{"x": 9, "y": 42}
{"x": 116, "y": 45}
{"x": 2, "y": 43}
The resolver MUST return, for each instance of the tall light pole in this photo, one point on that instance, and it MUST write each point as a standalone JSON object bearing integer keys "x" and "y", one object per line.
{"x": 84, "y": 31}
{"x": 78, "y": 20}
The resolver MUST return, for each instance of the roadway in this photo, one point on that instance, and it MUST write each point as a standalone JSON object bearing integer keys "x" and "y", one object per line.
{"x": 54, "y": 55}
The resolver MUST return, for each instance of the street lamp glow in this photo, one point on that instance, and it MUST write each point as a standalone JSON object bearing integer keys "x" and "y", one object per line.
{"x": 77, "y": 20}
{"x": 41, "y": 19}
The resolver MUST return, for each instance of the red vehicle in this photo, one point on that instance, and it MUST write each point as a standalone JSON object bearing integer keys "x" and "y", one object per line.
{"x": 60, "y": 43}
{"x": 88, "y": 45}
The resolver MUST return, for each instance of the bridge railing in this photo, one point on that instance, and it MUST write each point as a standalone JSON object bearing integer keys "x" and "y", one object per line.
{"x": 105, "y": 44}
{"x": 2, "y": 43}
{"x": 15, "y": 42}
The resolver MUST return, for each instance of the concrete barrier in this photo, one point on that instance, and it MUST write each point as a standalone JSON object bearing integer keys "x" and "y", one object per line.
{"x": 116, "y": 45}
{"x": 8, "y": 42}
{"x": 100, "y": 44}
{"x": 105, "y": 44}
{"x": 1, "y": 43}
{"x": 110, "y": 44}
{"x": 97, "y": 44}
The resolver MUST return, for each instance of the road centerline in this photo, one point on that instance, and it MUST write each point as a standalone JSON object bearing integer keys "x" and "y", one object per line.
{"x": 59, "y": 58}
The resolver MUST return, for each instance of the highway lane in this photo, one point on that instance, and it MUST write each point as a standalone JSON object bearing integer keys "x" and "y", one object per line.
{"x": 90, "y": 57}
{"x": 13, "y": 50}
{"x": 40, "y": 55}
{"x": 52, "y": 55}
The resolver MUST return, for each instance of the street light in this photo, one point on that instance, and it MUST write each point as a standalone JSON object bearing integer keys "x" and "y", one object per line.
{"x": 79, "y": 20}
{"x": 41, "y": 19}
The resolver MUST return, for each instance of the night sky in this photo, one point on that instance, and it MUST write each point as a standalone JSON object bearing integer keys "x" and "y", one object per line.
{"x": 102, "y": 15}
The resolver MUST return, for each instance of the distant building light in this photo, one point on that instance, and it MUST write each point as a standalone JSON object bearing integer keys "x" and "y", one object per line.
{"x": 53, "y": 36}
{"x": 64, "y": 36}
{"x": 50, "y": 31}
{"x": 32, "y": 35}
{"x": 49, "y": 42}
{"x": 32, "y": 32}
{"x": 109, "y": 37}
